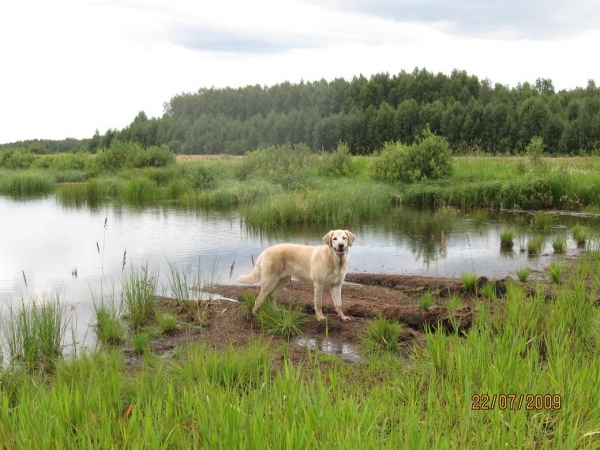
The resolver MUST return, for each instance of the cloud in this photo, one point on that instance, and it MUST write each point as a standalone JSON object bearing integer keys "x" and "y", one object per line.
{"x": 508, "y": 19}
{"x": 222, "y": 40}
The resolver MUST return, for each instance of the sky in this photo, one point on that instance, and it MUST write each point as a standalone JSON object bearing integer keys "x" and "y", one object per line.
{"x": 71, "y": 67}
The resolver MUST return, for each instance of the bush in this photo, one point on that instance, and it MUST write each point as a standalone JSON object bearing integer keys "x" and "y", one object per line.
{"x": 16, "y": 159}
{"x": 428, "y": 159}
{"x": 287, "y": 165}
{"x": 132, "y": 155}
{"x": 337, "y": 164}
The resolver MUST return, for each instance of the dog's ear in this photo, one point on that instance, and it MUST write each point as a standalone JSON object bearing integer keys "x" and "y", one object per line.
{"x": 351, "y": 238}
{"x": 327, "y": 238}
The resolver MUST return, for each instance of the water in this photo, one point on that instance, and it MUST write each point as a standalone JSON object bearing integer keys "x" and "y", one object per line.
{"x": 46, "y": 246}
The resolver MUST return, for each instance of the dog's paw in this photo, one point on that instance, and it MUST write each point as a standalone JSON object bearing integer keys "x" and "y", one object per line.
{"x": 346, "y": 319}
{"x": 321, "y": 317}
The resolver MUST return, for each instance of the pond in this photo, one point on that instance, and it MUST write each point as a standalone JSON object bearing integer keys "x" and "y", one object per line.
{"x": 47, "y": 246}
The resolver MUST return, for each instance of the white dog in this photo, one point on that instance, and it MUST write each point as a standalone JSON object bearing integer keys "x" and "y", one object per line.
{"x": 325, "y": 265}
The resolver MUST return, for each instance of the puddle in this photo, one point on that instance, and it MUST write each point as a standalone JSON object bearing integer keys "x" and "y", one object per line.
{"x": 344, "y": 350}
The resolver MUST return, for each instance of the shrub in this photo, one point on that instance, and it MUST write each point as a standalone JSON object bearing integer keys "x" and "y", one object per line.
{"x": 131, "y": 155}
{"x": 287, "y": 165}
{"x": 16, "y": 159}
{"x": 428, "y": 159}
{"x": 337, "y": 164}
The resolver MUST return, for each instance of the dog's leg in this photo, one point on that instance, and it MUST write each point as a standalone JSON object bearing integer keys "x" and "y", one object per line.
{"x": 319, "y": 301}
{"x": 282, "y": 283}
{"x": 336, "y": 296}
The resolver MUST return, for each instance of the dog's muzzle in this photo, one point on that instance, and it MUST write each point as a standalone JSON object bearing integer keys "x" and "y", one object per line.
{"x": 340, "y": 251}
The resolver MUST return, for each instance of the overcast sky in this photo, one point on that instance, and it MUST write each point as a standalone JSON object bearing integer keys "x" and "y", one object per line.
{"x": 69, "y": 67}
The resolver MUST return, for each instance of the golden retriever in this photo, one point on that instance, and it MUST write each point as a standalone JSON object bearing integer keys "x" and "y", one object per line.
{"x": 325, "y": 265}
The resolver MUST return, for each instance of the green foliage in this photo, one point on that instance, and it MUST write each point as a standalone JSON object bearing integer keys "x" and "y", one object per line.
{"x": 337, "y": 164}
{"x": 139, "y": 289}
{"x": 428, "y": 159}
{"x": 131, "y": 155}
{"x": 287, "y": 165}
{"x": 16, "y": 159}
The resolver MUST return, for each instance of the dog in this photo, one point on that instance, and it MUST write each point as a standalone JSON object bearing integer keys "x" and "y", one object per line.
{"x": 325, "y": 265}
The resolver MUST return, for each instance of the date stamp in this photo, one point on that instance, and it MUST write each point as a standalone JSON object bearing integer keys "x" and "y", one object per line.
{"x": 516, "y": 402}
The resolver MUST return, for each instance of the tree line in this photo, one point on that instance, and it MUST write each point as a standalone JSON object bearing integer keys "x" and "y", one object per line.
{"x": 472, "y": 114}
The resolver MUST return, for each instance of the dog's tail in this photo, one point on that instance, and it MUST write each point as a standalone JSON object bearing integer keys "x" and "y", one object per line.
{"x": 252, "y": 277}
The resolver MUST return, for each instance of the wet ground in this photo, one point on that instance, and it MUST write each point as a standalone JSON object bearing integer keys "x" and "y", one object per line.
{"x": 365, "y": 296}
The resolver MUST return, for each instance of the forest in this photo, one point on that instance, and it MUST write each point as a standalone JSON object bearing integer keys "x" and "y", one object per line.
{"x": 472, "y": 114}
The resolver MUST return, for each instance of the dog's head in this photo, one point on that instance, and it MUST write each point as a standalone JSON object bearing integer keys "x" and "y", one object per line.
{"x": 339, "y": 240}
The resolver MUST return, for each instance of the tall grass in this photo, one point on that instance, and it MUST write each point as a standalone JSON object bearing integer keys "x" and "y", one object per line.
{"x": 35, "y": 331}
{"x": 139, "y": 290}
{"x": 338, "y": 201}
{"x": 26, "y": 183}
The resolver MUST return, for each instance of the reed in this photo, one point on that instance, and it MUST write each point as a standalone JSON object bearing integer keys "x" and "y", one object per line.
{"x": 27, "y": 183}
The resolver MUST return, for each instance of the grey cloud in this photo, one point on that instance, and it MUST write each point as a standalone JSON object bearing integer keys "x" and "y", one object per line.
{"x": 201, "y": 38}
{"x": 519, "y": 19}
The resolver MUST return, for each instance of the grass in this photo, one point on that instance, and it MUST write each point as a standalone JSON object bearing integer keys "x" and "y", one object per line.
{"x": 523, "y": 376}
{"x": 507, "y": 239}
{"x": 523, "y": 274}
{"x": 580, "y": 235}
{"x": 21, "y": 184}
{"x": 556, "y": 271}
{"x": 35, "y": 331}
{"x": 469, "y": 281}
{"x": 426, "y": 301}
{"x": 381, "y": 335}
{"x": 559, "y": 244}
{"x": 535, "y": 244}
{"x": 280, "y": 321}
{"x": 139, "y": 290}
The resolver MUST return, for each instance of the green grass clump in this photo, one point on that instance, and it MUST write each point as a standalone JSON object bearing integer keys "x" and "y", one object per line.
{"x": 488, "y": 290}
{"x": 556, "y": 271}
{"x": 507, "y": 239}
{"x": 426, "y": 301}
{"x": 381, "y": 335}
{"x": 523, "y": 274}
{"x": 109, "y": 328}
{"x": 543, "y": 222}
{"x": 168, "y": 323}
{"x": 141, "y": 341}
{"x": 535, "y": 244}
{"x": 469, "y": 281}
{"x": 139, "y": 290}
{"x": 35, "y": 330}
{"x": 580, "y": 235}
{"x": 559, "y": 244}
{"x": 280, "y": 321}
